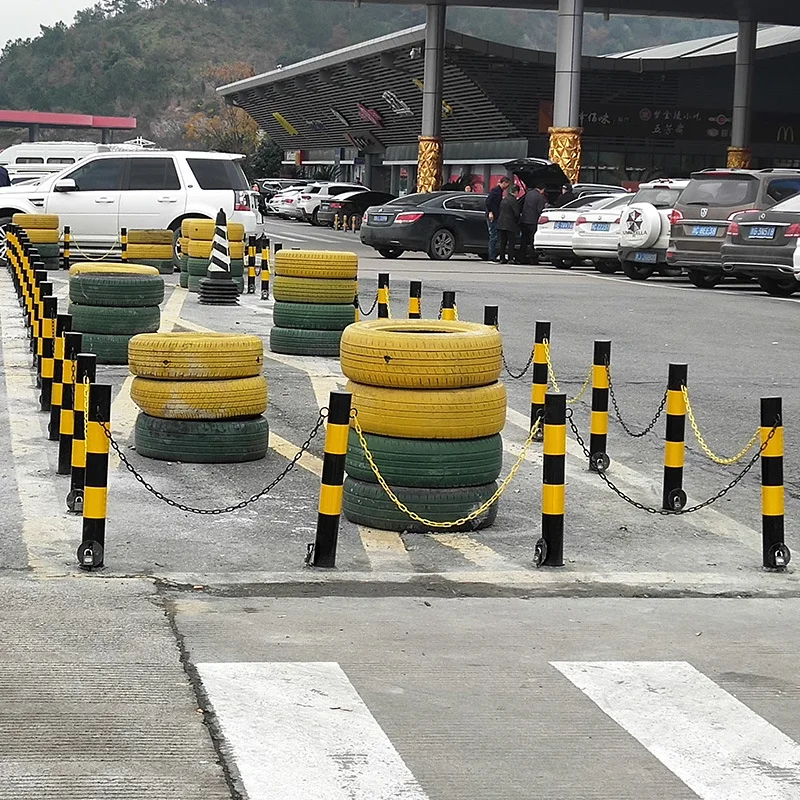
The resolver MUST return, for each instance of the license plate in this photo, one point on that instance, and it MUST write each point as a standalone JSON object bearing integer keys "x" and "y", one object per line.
{"x": 379, "y": 218}
{"x": 704, "y": 230}
{"x": 564, "y": 226}
{"x": 647, "y": 258}
{"x": 601, "y": 226}
{"x": 762, "y": 232}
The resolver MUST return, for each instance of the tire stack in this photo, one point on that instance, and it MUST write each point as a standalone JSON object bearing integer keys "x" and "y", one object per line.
{"x": 199, "y": 235}
{"x": 153, "y": 248}
{"x": 110, "y": 303}
{"x": 431, "y": 408}
{"x": 44, "y": 234}
{"x": 313, "y": 293}
{"x": 202, "y": 397}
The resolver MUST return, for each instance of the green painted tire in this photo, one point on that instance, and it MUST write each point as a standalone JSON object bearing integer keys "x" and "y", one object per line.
{"x": 312, "y": 316}
{"x": 165, "y": 267}
{"x": 116, "y": 290}
{"x": 299, "y": 342}
{"x": 367, "y": 504}
{"x": 109, "y": 348}
{"x": 193, "y": 283}
{"x": 114, "y": 320}
{"x": 51, "y": 264}
{"x": 199, "y": 267}
{"x": 49, "y": 250}
{"x": 184, "y": 280}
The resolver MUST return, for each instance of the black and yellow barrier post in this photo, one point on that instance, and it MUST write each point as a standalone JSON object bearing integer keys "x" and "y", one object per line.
{"x": 66, "y": 423}
{"x": 95, "y": 491}
{"x": 598, "y": 439}
{"x": 123, "y": 237}
{"x": 539, "y": 384}
{"x": 491, "y": 316}
{"x": 275, "y": 250}
{"x": 47, "y": 348}
{"x": 383, "y": 296}
{"x": 85, "y": 372}
{"x": 40, "y": 288}
{"x": 63, "y": 326}
{"x": 449, "y": 306}
{"x": 356, "y": 308}
{"x": 323, "y": 551}
{"x": 265, "y": 276}
{"x": 251, "y": 264}
{"x": 776, "y": 554}
{"x": 673, "y": 497}
{"x": 345, "y": 223}
{"x": 67, "y": 253}
{"x": 550, "y": 548}
{"x": 415, "y": 300}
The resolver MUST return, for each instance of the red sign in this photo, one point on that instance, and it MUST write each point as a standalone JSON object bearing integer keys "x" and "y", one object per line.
{"x": 369, "y": 115}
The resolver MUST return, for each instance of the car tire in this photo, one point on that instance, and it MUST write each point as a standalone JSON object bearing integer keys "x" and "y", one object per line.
{"x": 606, "y": 267}
{"x": 116, "y": 290}
{"x": 561, "y": 263}
{"x": 315, "y": 218}
{"x": 442, "y": 245}
{"x": 703, "y": 280}
{"x": 330, "y": 264}
{"x": 637, "y": 272}
{"x": 313, "y": 290}
{"x": 779, "y": 287}
{"x": 122, "y": 320}
{"x": 110, "y": 348}
{"x": 313, "y": 316}
{"x": 391, "y": 252}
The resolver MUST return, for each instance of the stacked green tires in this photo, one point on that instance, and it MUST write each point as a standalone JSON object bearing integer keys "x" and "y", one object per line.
{"x": 199, "y": 236}
{"x": 110, "y": 303}
{"x": 202, "y": 397}
{"x": 183, "y": 261}
{"x": 314, "y": 294}
{"x": 431, "y": 409}
{"x": 44, "y": 234}
{"x": 153, "y": 248}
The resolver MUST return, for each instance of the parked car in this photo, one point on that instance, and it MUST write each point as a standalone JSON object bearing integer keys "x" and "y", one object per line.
{"x": 581, "y": 189}
{"x": 348, "y": 204}
{"x": 645, "y": 229}
{"x": 269, "y": 187}
{"x": 282, "y": 204}
{"x": 539, "y": 170}
{"x": 307, "y": 205}
{"x": 596, "y": 234}
{"x": 764, "y": 245}
{"x": 440, "y": 224}
{"x": 136, "y": 189}
{"x": 706, "y": 207}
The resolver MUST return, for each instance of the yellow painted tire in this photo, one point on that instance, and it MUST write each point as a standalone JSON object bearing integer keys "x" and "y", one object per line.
{"x": 155, "y": 252}
{"x": 153, "y": 236}
{"x": 203, "y": 230}
{"x": 36, "y": 221}
{"x": 196, "y": 249}
{"x": 193, "y": 356}
{"x": 313, "y": 290}
{"x": 316, "y": 264}
{"x": 242, "y": 397}
{"x": 112, "y": 269}
{"x": 431, "y": 413}
{"x": 43, "y": 235}
{"x": 422, "y": 354}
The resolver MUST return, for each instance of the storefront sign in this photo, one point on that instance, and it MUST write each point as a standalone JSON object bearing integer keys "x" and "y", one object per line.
{"x": 369, "y": 115}
{"x": 364, "y": 141}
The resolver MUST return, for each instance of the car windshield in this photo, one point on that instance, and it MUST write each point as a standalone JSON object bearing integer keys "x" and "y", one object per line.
{"x": 789, "y": 206}
{"x": 616, "y": 202}
{"x": 658, "y": 196}
{"x": 409, "y": 200}
{"x": 218, "y": 173}
{"x": 720, "y": 191}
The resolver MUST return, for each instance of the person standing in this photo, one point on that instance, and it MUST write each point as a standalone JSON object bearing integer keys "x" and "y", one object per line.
{"x": 532, "y": 206}
{"x": 493, "y": 200}
{"x": 508, "y": 223}
{"x": 566, "y": 196}
{"x": 5, "y": 179}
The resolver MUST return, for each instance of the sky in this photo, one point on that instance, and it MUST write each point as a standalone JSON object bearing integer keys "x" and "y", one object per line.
{"x": 24, "y": 25}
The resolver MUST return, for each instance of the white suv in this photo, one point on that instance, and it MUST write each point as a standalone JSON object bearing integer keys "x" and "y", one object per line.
{"x": 310, "y": 199}
{"x": 149, "y": 189}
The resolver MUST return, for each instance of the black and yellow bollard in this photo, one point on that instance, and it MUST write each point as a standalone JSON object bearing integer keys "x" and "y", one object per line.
{"x": 251, "y": 265}
{"x": 415, "y": 300}
{"x": 491, "y": 316}
{"x": 95, "y": 492}
{"x": 356, "y": 309}
{"x": 85, "y": 372}
{"x": 40, "y": 288}
{"x": 539, "y": 384}
{"x": 384, "y": 311}
{"x": 47, "y": 345}
{"x": 275, "y": 250}
{"x": 66, "y": 424}
{"x": 550, "y": 548}
{"x": 775, "y": 553}
{"x": 67, "y": 254}
{"x": 673, "y": 497}
{"x": 265, "y": 265}
{"x": 63, "y": 326}
{"x": 123, "y": 237}
{"x": 598, "y": 439}
{"x": 323, "y": 552}
{"x": 449, "y": 306}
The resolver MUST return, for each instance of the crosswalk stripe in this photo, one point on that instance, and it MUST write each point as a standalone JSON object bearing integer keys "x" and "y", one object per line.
{"x": 717, "y": 746}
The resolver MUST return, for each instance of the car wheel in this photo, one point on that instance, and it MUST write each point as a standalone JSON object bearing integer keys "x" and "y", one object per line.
{"x": 561, "y": 263}
{"x": 702, "y": 280}
{"x": 637, "y": 272}
{"x": 670, "y": 272}
{"x": 391, "y": 252}
{"x": 314, "y": 217}
{"x": 442, "y": 245}
{"x": 176, "y": 249}
{"x": 606, "y": 267}
{"x": 4, "y": 223}
{"x": 779, "y": 287}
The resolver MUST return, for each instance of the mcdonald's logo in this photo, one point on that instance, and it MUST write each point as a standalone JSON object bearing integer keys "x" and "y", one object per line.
{"x": 786, "y": 134}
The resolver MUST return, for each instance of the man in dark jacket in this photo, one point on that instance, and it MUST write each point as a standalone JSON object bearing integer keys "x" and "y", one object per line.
{"x": 532, "y": 206}
{"x": 566, "y": 196}
{"x": 493, "y": 201}
{"x": 508, "y": 223}
{"x": 5, "y": 180}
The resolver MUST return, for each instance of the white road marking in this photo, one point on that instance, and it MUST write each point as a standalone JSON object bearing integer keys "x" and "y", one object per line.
{"x": 716, "y": 745}
{"x": 385, "y": 550}
{"x": 302, "y": 732}
{"x": 475, "y": 552}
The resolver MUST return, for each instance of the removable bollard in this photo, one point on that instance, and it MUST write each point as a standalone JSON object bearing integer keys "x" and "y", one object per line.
{"x": 491, "y": 316}
{"x": 345, "y": 223}
{"x": 336, "y": 222}
{"x": 85, "y": 371}
{"x": 278, "y": 247}
{"x": 355, "y": 222}
{"x": 598, "y": 439}
{"x": 123, "y": 237}
{"x": 539, "y": 384}
{"x": 251, "y": 265}
{"x": 63, "y": 326}
{"x": 550, "y": 548}
{"x": 66, "y": 423}
{"x": 95, "y": 493}
{"x": 449, "y": 306}
{"x": 265, "y": 276}
{"x": 776, "y": 554}
{"x": 383, "y": 295}
{"x": 415, "y": 300}
{"x": 673, "y": 497}
{"x": 47, "y": 352}
{"x": 323, "y": 551}
{"x": 66, "y": 255}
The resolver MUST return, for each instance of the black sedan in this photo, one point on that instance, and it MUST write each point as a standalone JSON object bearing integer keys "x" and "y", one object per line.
{"x": 349, "y": 203}
{"x": 764, "y": 245}
{"x": 440, "y": 224}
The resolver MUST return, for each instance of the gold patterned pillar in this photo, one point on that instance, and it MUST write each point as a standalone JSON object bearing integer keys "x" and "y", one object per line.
{"x": 739, "y": 157}
{"x": 565, "y": 150}
{"x": 429, "y": 164}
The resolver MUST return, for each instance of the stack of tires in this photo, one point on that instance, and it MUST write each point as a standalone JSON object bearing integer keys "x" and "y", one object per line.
{"x": 199, "y": 235}
{"x": 44, "y": 234}
{"x": 153, "y": 248}
{"x": 110, "y": 303}
{"x": 202, "y": 397}
{"x": 429, "y": 402}
{"x": 183, "y": 261}
{"x": 314, "y": 292}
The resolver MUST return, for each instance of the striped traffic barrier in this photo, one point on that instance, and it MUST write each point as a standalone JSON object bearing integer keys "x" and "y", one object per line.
{"x": 415, "y": 300}
{"x": 539, "y": 383}
{"x": 356, "y": 307}
{"x": 491, "y": 316}
{"x": 598, "y": 440}
{"x": 67, "y": 254}
{"x": 123, "y": 237}
{"x": 63, "y": 326}
{"x": 384, "y": 312}
{"x": 673, "y": 497}
{"x": 73, "y": 342}
{"x": 251, "y": 264}
{"x": 85, "y": 373}
{"x": 449, "y": 306}
{"x": 46, "y": 351}
{"x": 40, "y": 288}
{"x": 775, "y": 553}
{"x": 265, "y": 265}
{"x": 550, "y": 548}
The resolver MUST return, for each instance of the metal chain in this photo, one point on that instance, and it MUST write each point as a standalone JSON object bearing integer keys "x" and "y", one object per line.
{"x": 618, "y": 414}
{"x": 372, "y": 308}
{"x": 665, "y": 512}
{"x": 388, "y": 304}
{"x": 519, "y": 375}
{"x": 323, "y": 414}
{"x": 73, "y": 246}
{"x": 552, "y": 376}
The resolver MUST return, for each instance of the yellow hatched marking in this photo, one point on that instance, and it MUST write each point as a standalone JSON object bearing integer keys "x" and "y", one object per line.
{"x": 474, "y": 551}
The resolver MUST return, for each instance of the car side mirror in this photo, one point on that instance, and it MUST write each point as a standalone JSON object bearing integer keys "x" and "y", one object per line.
{"x": 65, "y": 185}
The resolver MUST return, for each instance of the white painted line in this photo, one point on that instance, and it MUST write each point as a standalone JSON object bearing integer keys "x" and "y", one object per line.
{"x": 716, "y": 745}
{"x": 475, "y": 552}
{"x": 301, "y": 732}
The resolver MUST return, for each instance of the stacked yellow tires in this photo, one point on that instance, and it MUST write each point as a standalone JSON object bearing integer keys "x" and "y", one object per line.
{"x": 203, "y": 397}
{"x": 44, "y": 234}
{"x": 431, "y": 408}
{"x": 314, "y": 293}
{"x": 153, "y": 248}
{"x": 110, "y": 303}
{"x": 198, "y": 236}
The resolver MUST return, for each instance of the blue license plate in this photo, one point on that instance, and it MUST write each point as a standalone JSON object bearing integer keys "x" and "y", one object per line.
{"x": 564, "y": 226}
{"x": 601, "y": 226}
{"x": 762, "y": 232}
{"x": 646, "y": 258}
{"x": 379, "y": 218}
{"x": 704, "y": 230}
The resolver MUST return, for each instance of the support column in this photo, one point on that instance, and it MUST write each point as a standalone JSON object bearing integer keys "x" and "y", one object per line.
{"x": 33, "y": 133}
{"x": 429, "y": 173}
{"x": 565, "y": 135}
{"x": 739, "y": 151}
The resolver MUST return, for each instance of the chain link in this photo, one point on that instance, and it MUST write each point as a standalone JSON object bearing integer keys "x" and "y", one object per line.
{"x": 618, "y": 414}
{"x": 552, "y": 376}
{"x": 372, "y": 307}
{"x": 518, "y": 375}
{"x": 73, "y": 246}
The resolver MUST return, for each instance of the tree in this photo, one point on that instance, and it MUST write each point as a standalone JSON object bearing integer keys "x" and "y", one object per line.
{"x": 265, "y": 162}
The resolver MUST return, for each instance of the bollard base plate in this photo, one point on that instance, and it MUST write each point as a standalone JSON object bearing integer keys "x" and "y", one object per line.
{"x": 599, "y": 462}
{"x": 676, "y": 500}
{"x": 778, "y": 558}
{"x": 75, "y": 501}
{"x": 90, "y": 555}
{"x": 540, "y": 553}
